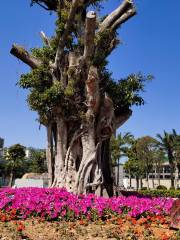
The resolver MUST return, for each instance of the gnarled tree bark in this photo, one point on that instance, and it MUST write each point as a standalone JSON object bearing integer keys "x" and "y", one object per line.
{"x": 78, "y": 151}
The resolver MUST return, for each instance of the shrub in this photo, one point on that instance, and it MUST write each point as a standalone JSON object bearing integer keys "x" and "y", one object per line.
{"x": 153, "y": 193}
{"x": 161, "y": 193}
{"x": 161, "y": 187}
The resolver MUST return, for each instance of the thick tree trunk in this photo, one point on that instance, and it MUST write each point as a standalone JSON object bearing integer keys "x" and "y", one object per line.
{"x": 84, "y": 166}
{"x": 60, "y": 146}
{"x": 88, "y": 162}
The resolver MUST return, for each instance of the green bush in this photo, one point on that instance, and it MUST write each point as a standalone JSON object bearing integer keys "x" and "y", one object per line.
{"x": 160, "y": 193}
{"x": 161, "y": 187}
{"x": 144, "y": 188}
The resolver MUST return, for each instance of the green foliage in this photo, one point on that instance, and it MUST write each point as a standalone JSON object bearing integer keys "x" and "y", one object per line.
{"x": 153, "y": 193}
{"x": 38, "y": 78}
{"x": 126, "y": 92}
{"x": 36, "y": 162}
{"x": 15, "y": 153}
{"x": 45, "y": 93}
{"x": 17, "y": 163}
{"x": 160, "y": 193}
{"x": 145, "y": 149}
{"x": 161, "y": 187}
{"x": 45, "y": 54}
{"x": 102, "y": 42}
{"x": 134, "y": 165}
{"x": 170, "y": 144}
{"x": 1, "y": 142}
{"x": 119, "y": 146}
{"x": 69, "y": 91}
{"x": 47, "y": 99}
{"x": 142, "y": 155}
{"x": 14, "y": 156}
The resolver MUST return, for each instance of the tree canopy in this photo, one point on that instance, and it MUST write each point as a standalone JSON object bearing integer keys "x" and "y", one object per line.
{"x": 45, "y": 94}
{"x": 14, "y": 155}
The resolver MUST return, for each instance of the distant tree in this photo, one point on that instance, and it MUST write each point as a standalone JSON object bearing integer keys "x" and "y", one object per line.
{"x": 145, "y": 149}
{"x": 37, "y": 161}
{"x": 169, "y": 142}
{"x": 129, "y": 167}
{"x": 134, "y": 166}
{"x": 158, "y": 160}
{"x": 177, "y": 157}
{"x": 1, "y": 143}
{"x": 14, "y": 156}
{"x": 119, "y": 146}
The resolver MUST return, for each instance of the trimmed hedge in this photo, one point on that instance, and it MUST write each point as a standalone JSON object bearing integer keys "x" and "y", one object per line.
{"x": 153, "y": 193}
{"x": 161, "y": 193}
{"x": 162, "y": 187}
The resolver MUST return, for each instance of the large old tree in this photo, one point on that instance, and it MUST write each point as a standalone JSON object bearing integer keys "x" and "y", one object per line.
{"x": 74, "y": 94}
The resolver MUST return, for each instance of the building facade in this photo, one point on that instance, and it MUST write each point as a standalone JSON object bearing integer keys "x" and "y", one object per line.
{"x": 156, "y": 178}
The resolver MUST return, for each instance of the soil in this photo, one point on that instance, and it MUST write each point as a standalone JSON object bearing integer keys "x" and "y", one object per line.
{"x": 36, "y": 229}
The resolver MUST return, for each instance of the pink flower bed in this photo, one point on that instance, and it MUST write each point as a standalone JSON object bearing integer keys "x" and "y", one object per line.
{"x": 53, "y": 203}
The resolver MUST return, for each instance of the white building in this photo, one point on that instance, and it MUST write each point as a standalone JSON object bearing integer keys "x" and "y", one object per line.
{"x": 163, "y": 177}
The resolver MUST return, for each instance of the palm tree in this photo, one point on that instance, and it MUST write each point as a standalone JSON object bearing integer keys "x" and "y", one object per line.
{"x": 168, "y": 143}
{"x": 159, "y": 158}
{"x": 119, "y": 146}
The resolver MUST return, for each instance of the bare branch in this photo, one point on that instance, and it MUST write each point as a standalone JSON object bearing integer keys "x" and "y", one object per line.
{"x": 23, "y": 55}
{"x": 121, "y": 119}
{"x": 41, "y": 5}
{"x": 50, "y": 5}
{"x": 68, "y": 25}
{"x": 130, "y": 13}
{"x": 106, "y": 35}
{"x": 45, "y": 39}
{"x": 89, "y": 34}
{"x": 115, "y": 15}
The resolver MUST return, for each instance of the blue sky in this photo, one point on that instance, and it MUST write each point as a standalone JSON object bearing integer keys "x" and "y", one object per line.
{"x": 151, "y": 44}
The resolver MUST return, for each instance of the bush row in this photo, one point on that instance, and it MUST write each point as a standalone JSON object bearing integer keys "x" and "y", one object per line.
{"x": 153, "y": 193}
{"x": 161, "y": 193}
